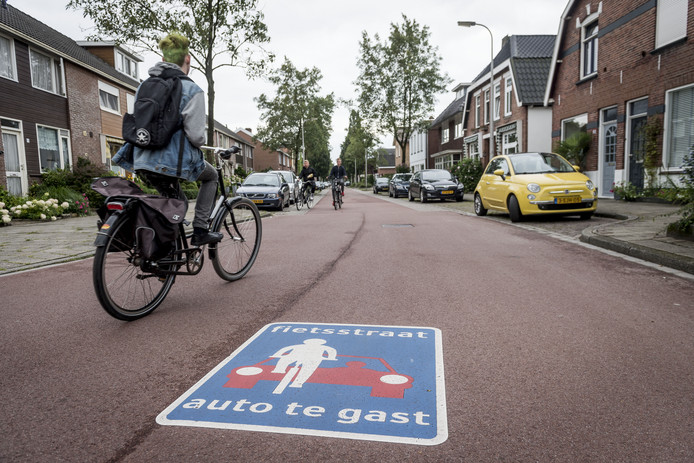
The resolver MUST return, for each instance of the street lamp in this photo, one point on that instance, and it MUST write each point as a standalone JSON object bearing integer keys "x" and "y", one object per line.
{"x": 491, "y": 84}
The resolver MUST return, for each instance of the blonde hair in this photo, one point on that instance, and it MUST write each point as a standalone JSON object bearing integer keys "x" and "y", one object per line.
{"x": 174, "y": 48}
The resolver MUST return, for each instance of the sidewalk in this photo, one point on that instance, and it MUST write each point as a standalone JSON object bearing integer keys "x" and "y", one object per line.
{"x": 639, "y": 233}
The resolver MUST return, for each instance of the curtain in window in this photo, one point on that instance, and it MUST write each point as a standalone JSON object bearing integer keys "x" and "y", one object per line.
{"x": 41, "y": 71}
{"x": 6, "y": 65}
{"x": 108, "y": 100}
{"x": 681, "y": 129}
{"x": 49, "y": 149}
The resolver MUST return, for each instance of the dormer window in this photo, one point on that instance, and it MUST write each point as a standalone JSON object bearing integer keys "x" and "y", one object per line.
{"x": 126, "y": 65}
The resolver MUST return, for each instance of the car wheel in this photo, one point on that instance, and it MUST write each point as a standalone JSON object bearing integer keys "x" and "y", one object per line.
{"x": 409, "y": 195}
{"x": 422, "y": 196}
{"x": 479, "y": 207}
{"x": 514, "y": 209}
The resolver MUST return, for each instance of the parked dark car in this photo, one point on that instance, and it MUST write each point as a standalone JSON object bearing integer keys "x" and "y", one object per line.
{"x": 291, "y": 179}
{"x": 265, "y": 189}
{"x": 381, "y": 184}
{"x": 435, "y": 184}
{"x": 399, "y": 185}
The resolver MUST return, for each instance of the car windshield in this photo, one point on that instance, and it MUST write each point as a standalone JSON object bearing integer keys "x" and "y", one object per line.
{"x": 434, "y": 175}
{"x": 539, "y": 163}
{"x": 262, "y": 180}
{"x": 381, "y": 180}
{"x": 402, "y": 177}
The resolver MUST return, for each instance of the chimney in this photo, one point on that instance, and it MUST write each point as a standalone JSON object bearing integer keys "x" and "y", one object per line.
{"x": 3, "y": 4}
{"x": 248, "y": 130}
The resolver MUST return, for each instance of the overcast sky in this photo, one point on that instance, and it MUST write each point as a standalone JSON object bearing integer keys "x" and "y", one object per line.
{"x": 326, "y": 34}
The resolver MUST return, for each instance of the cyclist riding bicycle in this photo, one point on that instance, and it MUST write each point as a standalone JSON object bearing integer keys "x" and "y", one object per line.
{"x": 165, "y": 161}
{"x": 308, "y": 176}
{"x": 339, "y": 173}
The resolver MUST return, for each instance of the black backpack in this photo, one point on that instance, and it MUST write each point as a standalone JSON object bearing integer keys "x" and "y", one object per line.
{"x": 157, "y": 112}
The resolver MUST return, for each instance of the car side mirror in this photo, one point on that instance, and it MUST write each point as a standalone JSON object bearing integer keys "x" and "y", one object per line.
{"x": 500, "y": 173}
{"x": 577, "y": 168}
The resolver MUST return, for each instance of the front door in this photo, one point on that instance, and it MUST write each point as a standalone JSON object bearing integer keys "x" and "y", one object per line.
{"x": 636, "y": 144}
{"x": 15, "y": 163}
{"x": 609, "y": 158}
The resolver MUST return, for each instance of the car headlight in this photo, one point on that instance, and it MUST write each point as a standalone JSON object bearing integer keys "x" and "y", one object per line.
{"x": 460, "y": 186}
{"x": 428, "y": 187}
{"x": 272, "y": 195}
{"x": 533, "y": 187}
{"x": 589, "y": 185}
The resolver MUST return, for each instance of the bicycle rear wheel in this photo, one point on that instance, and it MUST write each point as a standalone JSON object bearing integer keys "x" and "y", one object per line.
{"x": 308, "y": 198}
{"x": 123, "y": 288}
{"x": 240, "y": 224}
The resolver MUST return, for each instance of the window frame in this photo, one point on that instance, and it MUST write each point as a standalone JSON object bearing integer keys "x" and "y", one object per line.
{"x": 497, "y": 101}
{"x": 13, "y": 59}
{"x": 120, "y": 60}
{"x": 508, "y": 96}
{"x": 589, "y": 49}
{"x": 445, "y": 135}
{"x": 487, "y": 95}
{"x": 113, "y": 91}
{"x": 670, "y": 24}
{"x": 478, "y": 107}
{"x": 577, "y": 117}
{"x": 668, "y": 128}
{"x": 57, "y": 75}
{"x": 62, "y": 138}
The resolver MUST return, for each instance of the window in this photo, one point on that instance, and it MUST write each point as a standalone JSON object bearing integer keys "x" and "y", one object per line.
{"x": 573, "y": 125}
{"x": 473, "y": 149}
{"x": 458, "y": 129}
{"x": 510, "y": 143}
{"x": 679, "y": 126}
{"x": 497, "y": 101}
{"x": 8, "y": 64}
{"x": 671, "y": 21}
{"x": 486, "y": 107}
{"x": 108, "y": 98}
{"x": 46, "y": 73}
{"x": 444, "y": 162}
{"x": 478, "y": 117}
{"x": 445, "y": 135}
{"x": 54, "y": 148}
{"x": 508, "y": 91}
{"x": 126, "y": 65}
{"x": 130, "y": 102}
{"x": 589, "y": 49}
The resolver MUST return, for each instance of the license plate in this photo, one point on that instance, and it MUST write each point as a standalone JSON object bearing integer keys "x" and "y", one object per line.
{"x": 257, "y": 201}
{"x": 447, "y": 192}
{"x": 568, "y": 200}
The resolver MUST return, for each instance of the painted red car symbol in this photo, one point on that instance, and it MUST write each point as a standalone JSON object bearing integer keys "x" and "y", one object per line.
{"x": 390, "y": 383}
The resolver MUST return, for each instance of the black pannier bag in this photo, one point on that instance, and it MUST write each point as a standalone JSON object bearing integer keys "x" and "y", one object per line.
{"x": 155, "y": 228}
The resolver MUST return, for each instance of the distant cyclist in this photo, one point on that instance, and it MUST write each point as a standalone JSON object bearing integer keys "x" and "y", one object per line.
{"x": 339, "y": 173}
{"x": 308, "y": 176}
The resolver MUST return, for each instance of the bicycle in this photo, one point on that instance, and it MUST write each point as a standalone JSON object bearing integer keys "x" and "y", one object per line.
{"x": 304, "y": 196}
{"x": 129, "y": 285}
{"x": 337, "y": 194}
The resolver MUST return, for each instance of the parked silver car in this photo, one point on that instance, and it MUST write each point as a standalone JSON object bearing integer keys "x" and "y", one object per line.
{"x": 291, "y": 179}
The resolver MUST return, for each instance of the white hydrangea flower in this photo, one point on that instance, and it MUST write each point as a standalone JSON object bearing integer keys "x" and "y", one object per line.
{"x": 2, "y": 205}
{"x": 43, "y": 216}
{"x": 65, "y": 205}
{"x": 54, "y": 218}
{"x": 6, "y": 218}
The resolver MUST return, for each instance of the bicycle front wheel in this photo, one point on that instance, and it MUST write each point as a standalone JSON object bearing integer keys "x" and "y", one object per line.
{"x": 308, "y": 199}
{"x": 242, "y": 229}
{"x": 299, "y": 201}
{"x": 124, "y": 290}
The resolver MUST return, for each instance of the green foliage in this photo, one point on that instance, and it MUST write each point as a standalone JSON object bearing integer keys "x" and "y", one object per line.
{"x": 232, "y": 29}
{"x": 686, "y": 222}
{"x": 297, "y": 115}
{"x": 357, "y": 147}
{"x": 651, "y": 162}
{"x": 399, "y": 78}
{"x": 468, "y": 172}
{"x": 625, "y": 191}
{"x": 575, "y": 148}
{"x": 241, "y": 172}
{"x": 402, "y": 169}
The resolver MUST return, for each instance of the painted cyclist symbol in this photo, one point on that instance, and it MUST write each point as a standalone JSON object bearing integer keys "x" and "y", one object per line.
{"x": 306, "y": 358}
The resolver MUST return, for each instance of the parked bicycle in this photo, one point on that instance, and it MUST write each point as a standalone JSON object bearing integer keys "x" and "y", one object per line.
{"x": 131, "y": 278}
{"x": 303, "y": 195}
{"x": 337, "y": 193}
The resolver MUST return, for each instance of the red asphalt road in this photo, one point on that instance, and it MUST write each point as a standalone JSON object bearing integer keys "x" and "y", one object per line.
{"x": 552, "y": 351}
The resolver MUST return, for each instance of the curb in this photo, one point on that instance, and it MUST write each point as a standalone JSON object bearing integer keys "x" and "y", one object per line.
{"x": 656, "y": 256}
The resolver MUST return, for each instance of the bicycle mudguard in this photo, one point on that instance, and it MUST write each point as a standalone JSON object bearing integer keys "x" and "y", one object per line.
{"x": 106, "y": 230}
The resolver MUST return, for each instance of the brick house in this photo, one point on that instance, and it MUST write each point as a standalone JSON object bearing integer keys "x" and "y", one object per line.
{"x": 619, "y": 69}
{"x": 224, "y": 137}
{"x": 445, "y": 133}
{"x": 522, "y": 120}
{"x": 387, "y": 158}
{"x": 264, "y": 158}
{"x": 58, "y": 101}
{"x": 402, "y": 156}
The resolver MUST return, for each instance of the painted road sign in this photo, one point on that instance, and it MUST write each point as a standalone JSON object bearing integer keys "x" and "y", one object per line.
{"x": 381, "y": 383}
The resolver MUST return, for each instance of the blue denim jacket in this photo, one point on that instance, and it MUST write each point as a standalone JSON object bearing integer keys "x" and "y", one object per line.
{"x": 165, "y": 160}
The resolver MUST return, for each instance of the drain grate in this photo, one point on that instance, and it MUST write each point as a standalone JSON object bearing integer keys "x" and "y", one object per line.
{"x": 397, "y": 225}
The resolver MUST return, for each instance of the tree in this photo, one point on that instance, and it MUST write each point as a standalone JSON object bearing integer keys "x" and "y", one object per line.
{"x": 230, "y": 28}
{"x": 399, "y": 79}
{"x": 357, "y": 146}
{"x": 297, "y": 116}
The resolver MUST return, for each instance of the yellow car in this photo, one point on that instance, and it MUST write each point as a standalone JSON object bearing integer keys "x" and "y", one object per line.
{"x": 534, "y": 184}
